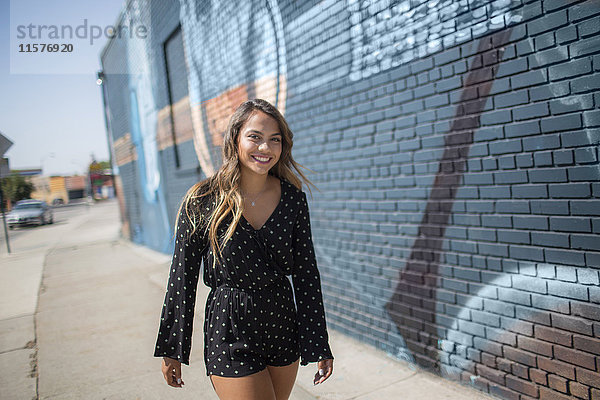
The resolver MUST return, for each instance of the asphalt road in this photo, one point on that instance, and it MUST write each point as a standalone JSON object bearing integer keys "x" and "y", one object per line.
{"x": 61, "y": 215}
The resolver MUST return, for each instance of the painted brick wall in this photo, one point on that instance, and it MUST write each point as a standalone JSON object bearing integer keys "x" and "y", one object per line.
{"x": 455, "y": 147}
{"x": 177, "y": 178}
{"x": 140, "y": 68}
{"x": 456, "y": 225}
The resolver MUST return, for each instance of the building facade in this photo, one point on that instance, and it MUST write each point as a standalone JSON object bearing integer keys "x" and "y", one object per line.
{"x": 454, "y": 144}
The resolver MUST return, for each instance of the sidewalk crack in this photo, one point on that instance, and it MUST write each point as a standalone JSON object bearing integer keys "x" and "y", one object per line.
{"x": 383, "y": 387}
{"x": 28, "y": 346}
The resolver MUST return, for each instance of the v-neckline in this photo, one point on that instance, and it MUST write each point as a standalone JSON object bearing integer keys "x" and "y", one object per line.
{"x": 272, "y": 213}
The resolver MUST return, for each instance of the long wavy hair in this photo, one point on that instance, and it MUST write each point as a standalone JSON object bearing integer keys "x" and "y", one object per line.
{"x": 223, "y": 188}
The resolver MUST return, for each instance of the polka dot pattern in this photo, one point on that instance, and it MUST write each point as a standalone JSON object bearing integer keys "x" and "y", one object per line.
{"x": 245, "y": 330}
{"x": 253, "y": 316}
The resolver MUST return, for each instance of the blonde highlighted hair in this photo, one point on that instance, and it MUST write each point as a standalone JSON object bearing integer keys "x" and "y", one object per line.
{"x": 208, "y": 203}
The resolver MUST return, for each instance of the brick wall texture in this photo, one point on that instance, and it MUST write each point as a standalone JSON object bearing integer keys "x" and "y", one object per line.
{"x": 455, "y": 147}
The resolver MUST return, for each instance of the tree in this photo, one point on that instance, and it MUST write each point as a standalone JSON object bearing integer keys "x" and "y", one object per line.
{"x": 15, "y": 188}
{"x": 99, "y": 167}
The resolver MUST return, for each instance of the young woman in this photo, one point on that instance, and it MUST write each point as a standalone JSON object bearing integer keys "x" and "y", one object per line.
{"x": 249, "y": 225}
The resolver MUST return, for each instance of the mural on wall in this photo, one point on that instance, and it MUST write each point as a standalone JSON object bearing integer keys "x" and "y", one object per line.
{"x": 502, "y": 320}
{"x": 430, "y": 189}
{"x": 175, "y": 118}
{"x": 230, "y": 63}
{"x": 414, "y": 303}
{"x": 143, "y": 134}
{"x": 387, "y": 33}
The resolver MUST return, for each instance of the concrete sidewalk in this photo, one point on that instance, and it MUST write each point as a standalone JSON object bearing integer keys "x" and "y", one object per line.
{"x": 80, "y": 316}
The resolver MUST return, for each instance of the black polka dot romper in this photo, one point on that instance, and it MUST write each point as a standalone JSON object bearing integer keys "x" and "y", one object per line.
{"x": 253, "y": 316}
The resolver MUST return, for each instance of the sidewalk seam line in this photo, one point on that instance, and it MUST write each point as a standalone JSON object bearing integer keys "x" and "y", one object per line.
{"x": 16, "y": 349}
{"x": 18, "y": 316}
{"x": 383, "y": 387}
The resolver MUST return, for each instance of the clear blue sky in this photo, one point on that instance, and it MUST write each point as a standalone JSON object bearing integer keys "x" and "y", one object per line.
{"x": 55, "y": 121}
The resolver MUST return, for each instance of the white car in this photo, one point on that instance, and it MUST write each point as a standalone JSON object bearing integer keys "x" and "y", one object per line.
{"x": 27, "y": 212}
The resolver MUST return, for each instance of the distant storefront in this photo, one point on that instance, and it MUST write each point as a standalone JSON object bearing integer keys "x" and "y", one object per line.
{"x": 75, "y": 186}
{"x": 102, "y": 185}
{"x": 57, "y": 189}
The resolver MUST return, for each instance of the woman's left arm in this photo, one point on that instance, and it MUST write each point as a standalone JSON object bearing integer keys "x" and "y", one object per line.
{"x": 314, "y": 340}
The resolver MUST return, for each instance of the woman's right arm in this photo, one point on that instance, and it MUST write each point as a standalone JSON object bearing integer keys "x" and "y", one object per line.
{"x": 175, "y": 332}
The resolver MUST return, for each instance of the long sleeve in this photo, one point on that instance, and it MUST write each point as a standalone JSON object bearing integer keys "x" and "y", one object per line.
{"x": 177, "y": 317}
{"x": 312, "y": 328}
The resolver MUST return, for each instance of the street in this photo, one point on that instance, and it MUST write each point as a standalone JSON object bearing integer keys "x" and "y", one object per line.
{"x": 62, "y": 215}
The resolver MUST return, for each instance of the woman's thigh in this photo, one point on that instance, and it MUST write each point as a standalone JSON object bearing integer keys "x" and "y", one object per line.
{"x": 257, "y": 386}
{"x": 283, "y": 379}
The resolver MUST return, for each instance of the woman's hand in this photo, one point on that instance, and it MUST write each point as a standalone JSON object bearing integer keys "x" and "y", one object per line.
{"x": 171, "y": 370}
{"x": 324, "y": 372}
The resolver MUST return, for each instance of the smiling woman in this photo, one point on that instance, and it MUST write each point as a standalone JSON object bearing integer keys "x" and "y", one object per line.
{"x": 259, "y": 145}
{"x": 249, "y": 225}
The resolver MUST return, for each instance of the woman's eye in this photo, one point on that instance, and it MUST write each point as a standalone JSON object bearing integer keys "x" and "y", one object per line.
{"x": 277, "y": 139}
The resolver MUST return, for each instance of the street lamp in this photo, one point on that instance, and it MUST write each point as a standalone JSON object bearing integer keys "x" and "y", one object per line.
{"x": 100, "y": 81}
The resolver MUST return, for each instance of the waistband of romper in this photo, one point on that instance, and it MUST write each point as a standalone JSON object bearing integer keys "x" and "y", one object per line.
{"x": 279, "y": 279}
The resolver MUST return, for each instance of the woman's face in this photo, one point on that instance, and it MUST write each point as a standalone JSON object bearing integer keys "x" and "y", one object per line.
{"x": 259, "y": 143}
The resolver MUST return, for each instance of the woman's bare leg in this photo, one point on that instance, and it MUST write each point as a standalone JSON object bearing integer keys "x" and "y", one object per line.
{"x": 256, "y": 386}
{"x": 283, "y": 379}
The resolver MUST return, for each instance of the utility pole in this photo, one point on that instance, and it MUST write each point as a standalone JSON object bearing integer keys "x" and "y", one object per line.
{"x": 3, "y": 167}
{"x": 4, "y": 219}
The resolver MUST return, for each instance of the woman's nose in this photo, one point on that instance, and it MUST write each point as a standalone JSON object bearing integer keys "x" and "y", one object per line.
{"x": 263, "y": 146}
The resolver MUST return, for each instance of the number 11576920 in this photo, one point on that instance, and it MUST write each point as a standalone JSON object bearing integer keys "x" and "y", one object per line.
{"x": 46, "y": 48}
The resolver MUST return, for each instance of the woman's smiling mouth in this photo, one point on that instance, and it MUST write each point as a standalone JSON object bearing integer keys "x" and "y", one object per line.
{"x": 261, "y": 160}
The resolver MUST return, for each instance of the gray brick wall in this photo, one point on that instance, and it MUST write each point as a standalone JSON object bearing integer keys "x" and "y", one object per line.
{"x": 455, "y": 148}
{"x": 454, "y": 209}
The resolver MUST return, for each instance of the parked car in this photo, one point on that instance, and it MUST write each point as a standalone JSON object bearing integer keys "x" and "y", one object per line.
{"x": 58, "y": 201}
{"x": 30, "y": 211}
